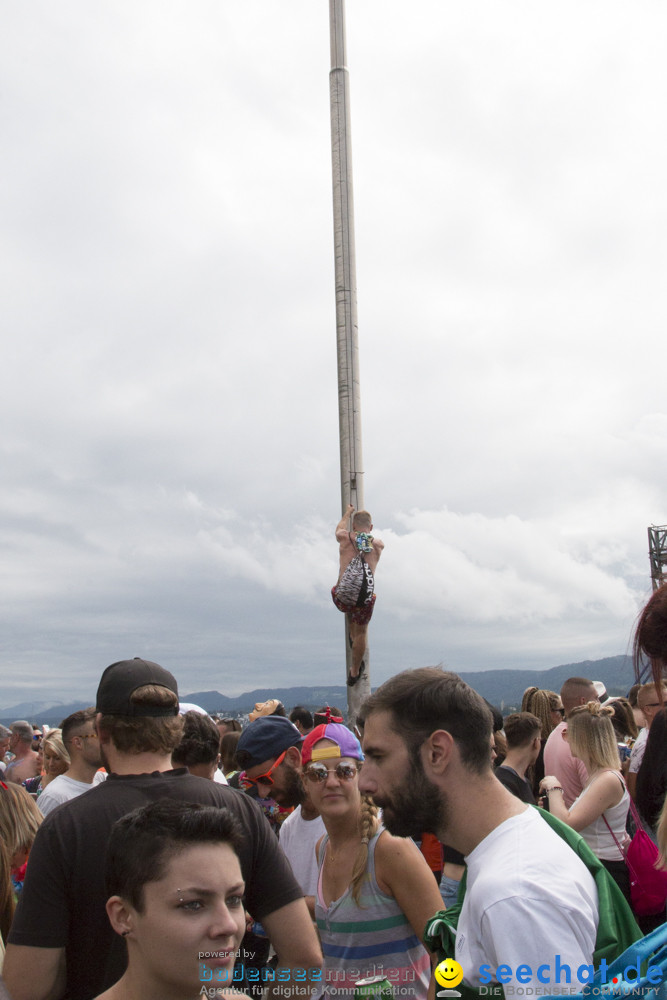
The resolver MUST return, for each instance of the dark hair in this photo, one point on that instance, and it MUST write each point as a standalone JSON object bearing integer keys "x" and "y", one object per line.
{"x": 144, "y": 734}
{"x": 301, "y": 714}
{"x": 497, "y": 716}
{"x": 228, "y": 751}
{"x": 623, "y": 719}
{"x": 234, "y": 724}
{"x": 430, "y": 698}
{"x": 521, "y": 728}
{"x": 200, "y": 743}
{"x": 142, "y": 842}
{"x": 75, "y": 721}
{"x": 652, "y": 775}
{"x": 651, "y": 637}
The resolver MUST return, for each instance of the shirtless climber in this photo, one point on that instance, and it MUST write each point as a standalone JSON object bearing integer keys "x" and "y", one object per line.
{"x": 354, "y": 592}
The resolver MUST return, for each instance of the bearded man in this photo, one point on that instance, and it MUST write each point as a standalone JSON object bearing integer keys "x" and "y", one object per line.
{"x": 427, "y": 746}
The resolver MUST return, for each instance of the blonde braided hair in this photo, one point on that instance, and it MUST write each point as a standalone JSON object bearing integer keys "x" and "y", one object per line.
{"x": 368, "y": 827}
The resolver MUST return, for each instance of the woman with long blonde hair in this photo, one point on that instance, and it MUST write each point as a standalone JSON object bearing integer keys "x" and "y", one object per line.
{"x": 6, "y": 895}
{"x": 20, "y": 820}
{"x": 375, "y": 892}
{"x": 55, "y": 761}
{"x": 601, "y": 810}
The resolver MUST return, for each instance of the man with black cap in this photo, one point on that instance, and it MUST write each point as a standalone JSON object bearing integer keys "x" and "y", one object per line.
{"x": 61, "y": 942}
{"x": 270, "y": 751}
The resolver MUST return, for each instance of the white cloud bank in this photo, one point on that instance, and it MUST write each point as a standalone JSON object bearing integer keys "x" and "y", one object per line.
{"x": 168, "y": 391}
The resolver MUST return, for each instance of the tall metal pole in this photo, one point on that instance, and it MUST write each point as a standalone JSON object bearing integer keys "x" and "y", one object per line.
{"x": 349, "y": 408}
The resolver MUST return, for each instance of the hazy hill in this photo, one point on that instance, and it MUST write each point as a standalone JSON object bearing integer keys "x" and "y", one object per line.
{"x": 503, "y": 688}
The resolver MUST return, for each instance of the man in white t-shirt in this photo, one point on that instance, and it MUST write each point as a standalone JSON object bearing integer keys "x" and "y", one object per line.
{"x": 299, "y": 835}
{"x": 83, "y": 745}
{"x": 530, "y": 901}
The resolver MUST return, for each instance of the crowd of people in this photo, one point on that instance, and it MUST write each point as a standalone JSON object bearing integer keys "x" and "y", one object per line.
{"x": 149, "y": 850}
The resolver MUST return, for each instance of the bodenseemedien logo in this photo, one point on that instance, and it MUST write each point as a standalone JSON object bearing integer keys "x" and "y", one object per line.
{"x": 448, "y": 974}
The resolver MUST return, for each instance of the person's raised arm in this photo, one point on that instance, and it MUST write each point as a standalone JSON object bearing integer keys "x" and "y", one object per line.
{"x": 343, "y": 526}
{"x": 605, "y": 791}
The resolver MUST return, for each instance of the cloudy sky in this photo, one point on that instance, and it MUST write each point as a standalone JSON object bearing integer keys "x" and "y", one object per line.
{"x": 169, "y": 443}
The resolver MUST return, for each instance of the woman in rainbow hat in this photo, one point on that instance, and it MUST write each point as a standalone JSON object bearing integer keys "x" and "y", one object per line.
{"x": 375, "y": 892}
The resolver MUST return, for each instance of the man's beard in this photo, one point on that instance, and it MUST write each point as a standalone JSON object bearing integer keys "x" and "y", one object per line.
{"x": 293, "y": 792}
{"x": 416, "y": 806}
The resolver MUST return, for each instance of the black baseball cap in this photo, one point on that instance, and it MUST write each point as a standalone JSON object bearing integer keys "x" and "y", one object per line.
{"x": 121, "y": 680}
{"x": 266, "y": 738}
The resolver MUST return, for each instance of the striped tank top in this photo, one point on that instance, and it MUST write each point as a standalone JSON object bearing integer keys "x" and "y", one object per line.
{"x": 373, "y": 938}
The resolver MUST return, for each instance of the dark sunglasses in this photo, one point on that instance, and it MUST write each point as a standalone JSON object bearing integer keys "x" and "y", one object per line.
{"x": 319, "y": 773}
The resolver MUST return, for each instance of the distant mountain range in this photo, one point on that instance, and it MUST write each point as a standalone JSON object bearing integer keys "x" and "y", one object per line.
{"x": 503, "y": 688}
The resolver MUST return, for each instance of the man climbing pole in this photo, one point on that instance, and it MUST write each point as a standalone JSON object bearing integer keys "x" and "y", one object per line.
{"x": 354, "y": 593}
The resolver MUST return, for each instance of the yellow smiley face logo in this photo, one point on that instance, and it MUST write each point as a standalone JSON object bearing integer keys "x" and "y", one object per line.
{"x": 449, "y": 973}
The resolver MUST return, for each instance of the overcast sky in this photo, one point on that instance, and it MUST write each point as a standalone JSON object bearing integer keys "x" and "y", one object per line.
{"x": 170, "y": 478}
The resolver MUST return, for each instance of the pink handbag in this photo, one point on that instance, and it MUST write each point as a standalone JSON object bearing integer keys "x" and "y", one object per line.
{"x": 648, "y": 879}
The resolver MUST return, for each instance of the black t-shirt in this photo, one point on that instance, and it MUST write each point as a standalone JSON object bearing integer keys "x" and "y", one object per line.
{"x": 517, "y": 785}
{"x": 62, "y": 903}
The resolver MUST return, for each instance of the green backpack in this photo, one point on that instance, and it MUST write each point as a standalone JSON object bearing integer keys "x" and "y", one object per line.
{"x": 617, "y": 928}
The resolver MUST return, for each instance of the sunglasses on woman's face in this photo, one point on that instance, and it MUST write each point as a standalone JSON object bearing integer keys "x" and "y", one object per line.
{"x": 319, "y": 773}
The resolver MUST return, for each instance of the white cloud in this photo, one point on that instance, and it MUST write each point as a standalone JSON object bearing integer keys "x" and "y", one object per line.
{"x": 472, "y": 568}
{"x": 168, "y": 388}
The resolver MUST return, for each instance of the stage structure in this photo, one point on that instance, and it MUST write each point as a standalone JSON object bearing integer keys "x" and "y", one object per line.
{"x": 657, "y": 553}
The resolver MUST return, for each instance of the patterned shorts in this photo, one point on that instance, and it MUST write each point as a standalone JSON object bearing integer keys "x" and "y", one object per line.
{"x": 356, "y": 615}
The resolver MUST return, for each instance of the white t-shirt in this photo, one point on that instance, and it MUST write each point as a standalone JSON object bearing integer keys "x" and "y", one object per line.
{"x": 637, "y": 755}
{"x": 60, "y": 790}
{"x": 298, "y": 837}
{"x": 529, "y": 898}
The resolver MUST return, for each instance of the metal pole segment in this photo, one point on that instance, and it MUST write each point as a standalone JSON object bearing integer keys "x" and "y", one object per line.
{"x": 349, "y": 407}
